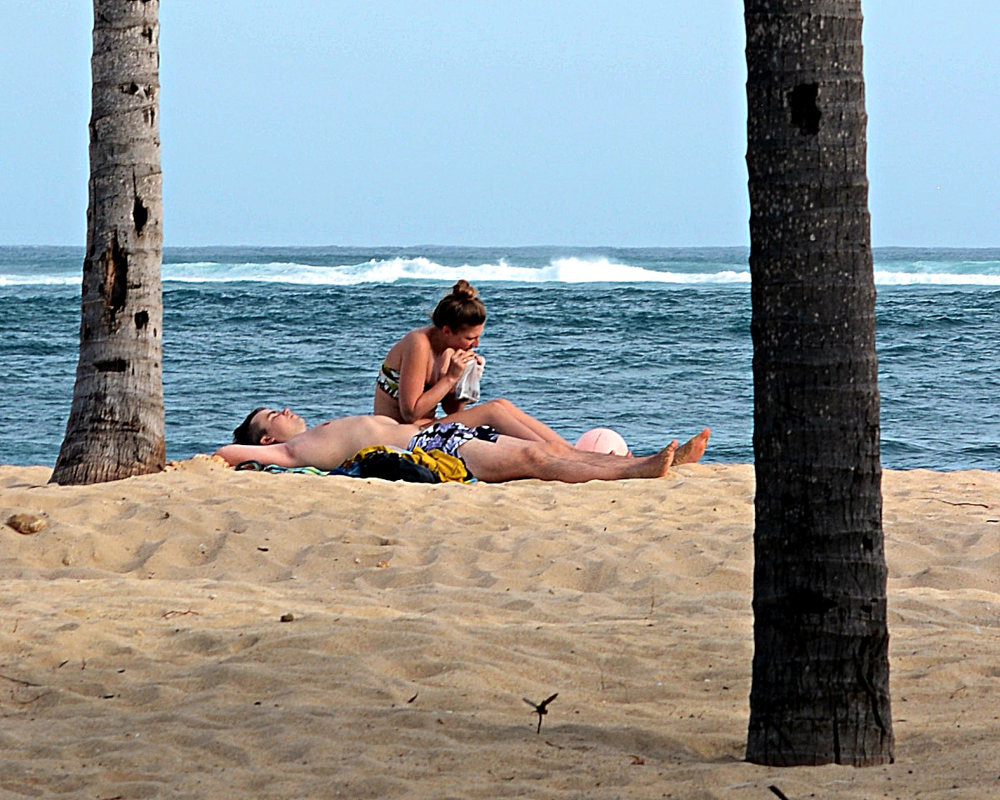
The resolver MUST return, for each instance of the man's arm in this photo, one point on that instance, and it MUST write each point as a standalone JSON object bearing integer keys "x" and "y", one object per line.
{"x": 266, "y": 454}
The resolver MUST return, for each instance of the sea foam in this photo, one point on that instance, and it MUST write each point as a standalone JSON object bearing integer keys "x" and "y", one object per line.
{"x": 570, "y": 269}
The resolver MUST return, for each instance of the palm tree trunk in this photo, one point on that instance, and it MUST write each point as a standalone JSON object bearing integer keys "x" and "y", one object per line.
{"x": 115, "y": 427}
{"x": 820, "y": 690}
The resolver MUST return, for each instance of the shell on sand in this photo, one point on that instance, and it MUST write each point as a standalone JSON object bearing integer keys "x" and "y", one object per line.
{"x": 27, "y": 523}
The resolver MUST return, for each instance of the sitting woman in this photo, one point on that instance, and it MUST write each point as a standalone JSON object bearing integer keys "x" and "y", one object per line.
{"x": 422, "y": 369}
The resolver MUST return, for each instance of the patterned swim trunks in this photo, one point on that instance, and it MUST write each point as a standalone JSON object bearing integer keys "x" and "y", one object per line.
{"x": 449, "y": 436}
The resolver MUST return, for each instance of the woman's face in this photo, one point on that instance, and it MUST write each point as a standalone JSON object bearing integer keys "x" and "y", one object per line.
{"x": 464, "y": 338}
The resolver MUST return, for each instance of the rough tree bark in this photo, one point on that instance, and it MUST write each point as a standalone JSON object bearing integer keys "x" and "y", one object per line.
{"x": 115, "y": 427}
{"x": 820, "y": 690}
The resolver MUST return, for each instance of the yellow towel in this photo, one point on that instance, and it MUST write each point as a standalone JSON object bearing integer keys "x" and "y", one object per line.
{"x": 446, "y": 467}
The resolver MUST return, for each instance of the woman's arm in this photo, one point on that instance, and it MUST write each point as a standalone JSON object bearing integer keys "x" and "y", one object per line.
{"x": 417, "y": 401}
{"x": 452, "y": 405}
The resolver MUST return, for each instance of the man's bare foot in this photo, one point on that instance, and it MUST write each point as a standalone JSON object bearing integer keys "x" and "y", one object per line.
{"x": 693, "y": 449}
{"x": 660, "y": 463}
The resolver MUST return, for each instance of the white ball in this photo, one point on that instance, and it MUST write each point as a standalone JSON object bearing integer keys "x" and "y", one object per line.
{"x": 602, "y": 440}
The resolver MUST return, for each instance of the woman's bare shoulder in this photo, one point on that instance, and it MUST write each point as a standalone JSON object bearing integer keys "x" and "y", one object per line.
{"x": 417, "y": 341}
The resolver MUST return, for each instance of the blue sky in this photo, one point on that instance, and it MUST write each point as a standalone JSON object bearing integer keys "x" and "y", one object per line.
{"x": 469, "y": 122}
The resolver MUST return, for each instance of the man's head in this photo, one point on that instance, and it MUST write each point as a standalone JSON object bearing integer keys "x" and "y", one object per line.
{"x": 268, "y": 426}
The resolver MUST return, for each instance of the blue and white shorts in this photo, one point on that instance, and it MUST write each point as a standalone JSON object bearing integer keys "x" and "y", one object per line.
{"x": 449, "y": 436}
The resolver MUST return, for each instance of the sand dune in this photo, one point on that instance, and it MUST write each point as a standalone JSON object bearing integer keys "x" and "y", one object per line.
{"x": 208, "y": 633}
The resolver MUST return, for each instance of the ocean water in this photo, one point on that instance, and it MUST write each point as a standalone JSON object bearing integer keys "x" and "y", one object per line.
{"x": 652, "y": 342}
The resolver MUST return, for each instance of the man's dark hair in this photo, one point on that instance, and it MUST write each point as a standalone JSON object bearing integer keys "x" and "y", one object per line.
{"x": 247, "y": 432}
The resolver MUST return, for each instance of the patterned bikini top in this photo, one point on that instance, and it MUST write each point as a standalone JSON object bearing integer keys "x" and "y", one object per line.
{"x": 388, "y": 381}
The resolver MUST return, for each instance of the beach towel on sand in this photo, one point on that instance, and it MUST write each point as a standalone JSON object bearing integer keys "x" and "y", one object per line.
{"x": 381, "y": 461}
{"x": 387, "y": 463}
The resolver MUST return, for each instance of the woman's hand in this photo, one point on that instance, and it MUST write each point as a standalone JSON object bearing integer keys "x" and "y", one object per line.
{"x": 460, "y": 359}
{"x": 452, "y": 363}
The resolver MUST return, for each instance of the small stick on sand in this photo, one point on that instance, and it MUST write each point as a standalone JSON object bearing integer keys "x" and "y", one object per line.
{"x": 540, "y": 708}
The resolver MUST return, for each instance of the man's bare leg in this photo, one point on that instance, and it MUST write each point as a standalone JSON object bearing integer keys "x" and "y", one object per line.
{"x": 693, "y": 449}
{"x": 511, "y": 459}
{"x": 689, "y": 452}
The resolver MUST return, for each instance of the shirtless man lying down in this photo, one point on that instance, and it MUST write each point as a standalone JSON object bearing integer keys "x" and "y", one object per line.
{"x": 283, "y": 439}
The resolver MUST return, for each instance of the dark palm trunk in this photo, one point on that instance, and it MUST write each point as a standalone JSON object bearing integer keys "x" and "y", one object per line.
{"x": 115, "y": 427}
{"x": 820, "y": 689}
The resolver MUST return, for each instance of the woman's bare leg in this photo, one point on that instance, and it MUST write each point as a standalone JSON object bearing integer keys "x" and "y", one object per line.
{"x": 508, "y": 419}
{"x": 536, "y": 426}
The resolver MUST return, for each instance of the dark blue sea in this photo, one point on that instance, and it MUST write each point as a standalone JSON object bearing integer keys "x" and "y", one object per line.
{"x": 652, "y": 342}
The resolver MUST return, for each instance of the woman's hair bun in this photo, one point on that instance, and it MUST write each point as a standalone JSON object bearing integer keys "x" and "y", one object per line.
{"x": 461, "y": 308}
{"x": 464, "y": 289}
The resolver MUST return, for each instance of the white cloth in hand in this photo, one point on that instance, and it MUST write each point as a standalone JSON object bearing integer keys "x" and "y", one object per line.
{"x": 467, "y": 388}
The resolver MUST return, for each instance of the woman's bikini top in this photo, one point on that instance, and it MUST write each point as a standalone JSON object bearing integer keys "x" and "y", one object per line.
{"x": 388, "y": 381}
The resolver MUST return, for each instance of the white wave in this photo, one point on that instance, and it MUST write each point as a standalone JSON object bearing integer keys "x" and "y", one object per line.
{"x": 40, "y": 280}
{"x": 884, "y": 278}
{"x": 565, "y": 270}
{"x": 389, "y": 271}
{"x": 568, "y": 270}
{"x": 579, "y": 270}
{"x": 559, "y": 270}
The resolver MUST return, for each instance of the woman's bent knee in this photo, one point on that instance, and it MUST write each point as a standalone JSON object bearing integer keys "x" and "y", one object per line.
{"x": 501, "y": 403}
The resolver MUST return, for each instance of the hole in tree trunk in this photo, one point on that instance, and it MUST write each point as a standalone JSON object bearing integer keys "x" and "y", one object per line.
{"x": 805, "y": 112}
{"x": 111, "y": 365}
{"x": 115, "y": 263}
{"x": 140, "y": 215}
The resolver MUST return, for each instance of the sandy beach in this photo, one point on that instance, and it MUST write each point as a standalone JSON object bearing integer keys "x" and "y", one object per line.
{"x": 211, "y": 633}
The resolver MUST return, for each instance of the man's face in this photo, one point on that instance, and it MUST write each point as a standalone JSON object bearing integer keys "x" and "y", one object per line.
{"x": 278, "y": 426}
